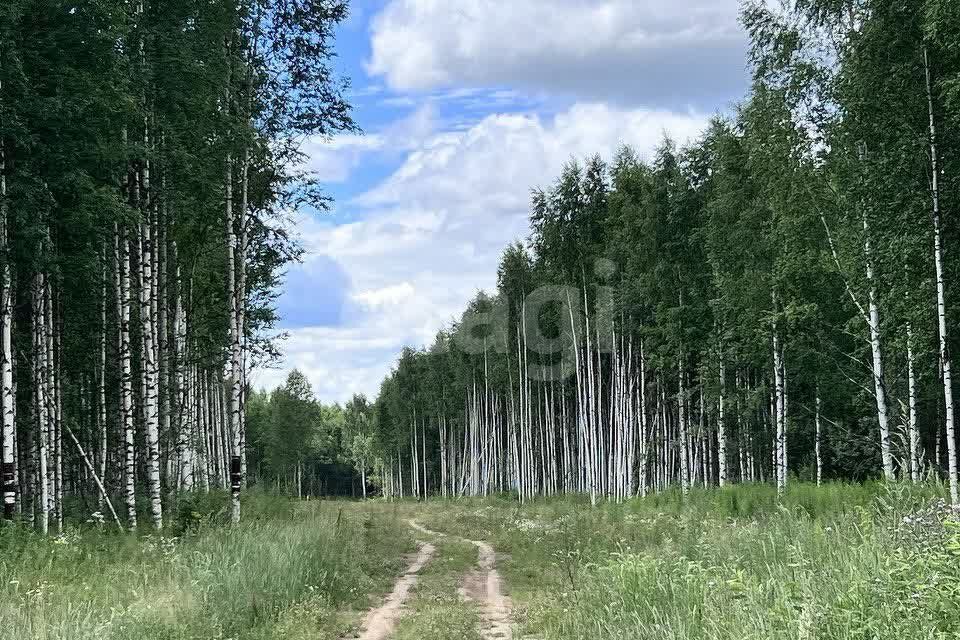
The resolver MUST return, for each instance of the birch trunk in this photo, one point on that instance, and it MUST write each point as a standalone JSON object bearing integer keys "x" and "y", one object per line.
{"x": 913, "y": 433}
{"x": 53, "y": 406}
{"x": 941, "y": 293}
{"x": 684, "y": 430}
{"x": 150, "y": 409}
{"x": 721, "y": 426}
{"x": 161, "y": 335}
{"x": 242, "y": 309}
{"x": 779, "y": 456}
{"x": 9, "y": 474}
{"x": 122, "y": 281}
{"x": 876, "y": 353}
{"x": 817, "y": 441}
{"x": 235, "y": 355}
{"x": 40, "y": 404}
{"x": 101, "y": 458}
{"x": 644, "y": 445}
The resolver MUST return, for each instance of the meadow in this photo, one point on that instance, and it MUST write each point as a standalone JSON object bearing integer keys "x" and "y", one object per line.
{"x": 841, "y": 561}
{"x": 291, "y": 570}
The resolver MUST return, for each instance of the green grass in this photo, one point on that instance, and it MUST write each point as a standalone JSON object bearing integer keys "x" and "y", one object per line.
{"x": 436, "y": 610}
{"x": 837, "y": 561}
{"x": 292, "y": 570}
{"x": 843, "y": 561}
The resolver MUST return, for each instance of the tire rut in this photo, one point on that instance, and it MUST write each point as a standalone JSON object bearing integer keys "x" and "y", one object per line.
{"x": 381, "y": 621}
{"x": 484, "y": 586}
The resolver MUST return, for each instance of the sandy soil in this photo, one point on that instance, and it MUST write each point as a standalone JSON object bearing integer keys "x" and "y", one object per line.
{"x": 380, "y": 621}
{"x": 484, "y": 585}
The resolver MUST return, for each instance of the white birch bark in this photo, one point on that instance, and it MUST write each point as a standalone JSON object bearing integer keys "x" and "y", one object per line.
{"x": 778, "y": 411}
{"x": 52, "y": 400}
{"x": 945, "y": 362}
{"x": 235, "y": 354}
{"x": 817, "y": 441}
{"x": 100, "y": 458}
{"x": 242, "y": 246}
{"x": 876, "y": 353}
{"x": 40, "y": 404}
{"x": 644, "y": 445}
{"x": 913, "y": 433}
{"x": 160, "y": 327}
{"x": 721, "y": 424}
{"x": 148, "y": 335}
{"x": 7, "y": 397}
{"x": 122, "y": 282}
{"x": 684, "y": 428}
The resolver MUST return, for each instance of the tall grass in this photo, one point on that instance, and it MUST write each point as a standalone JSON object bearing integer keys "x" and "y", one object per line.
{"x": 283, "y": 575}
{"x": 841, "y": 561}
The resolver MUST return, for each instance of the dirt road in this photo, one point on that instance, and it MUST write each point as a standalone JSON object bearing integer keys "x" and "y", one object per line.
{"x": 380, "y": 621}
{"x": 484, "y": 586}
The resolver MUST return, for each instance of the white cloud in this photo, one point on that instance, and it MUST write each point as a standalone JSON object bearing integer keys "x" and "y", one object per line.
{"x": 431, "y": 234}
{"x": 333, "y": 160}
{"x": 336, "y": 361}
{"x": 637, "y": 51}
{"x": 492, "y": 166}
{"x": 385, "y": 296}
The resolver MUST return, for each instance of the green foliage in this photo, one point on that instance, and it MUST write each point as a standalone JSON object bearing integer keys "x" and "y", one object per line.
{"x": 294, "y": 419}
{"x": 812, "y": 198}
{"x": 294, "y": 438}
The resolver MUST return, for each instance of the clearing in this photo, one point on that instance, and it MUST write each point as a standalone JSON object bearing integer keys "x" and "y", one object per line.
{"x": 838, "y": 561}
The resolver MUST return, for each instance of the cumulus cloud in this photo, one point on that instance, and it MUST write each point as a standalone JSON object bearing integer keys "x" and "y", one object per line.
{"x": 385, "y": 296}
{"x": 491, "y": 166}
{"x": 431, "y": 234}
{"x": 631, "y": 51}
{"x": 337, "y": 361}
{"x": 334, "y": 159}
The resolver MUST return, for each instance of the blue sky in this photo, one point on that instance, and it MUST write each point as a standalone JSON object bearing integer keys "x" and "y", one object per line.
{"x": 465, "y": 106}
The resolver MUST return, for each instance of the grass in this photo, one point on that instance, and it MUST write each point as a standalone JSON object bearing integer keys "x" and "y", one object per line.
{"x": 842, "y": 561}
{"x": 436, "y": 610}
{"x": 292, "y": 570}
{"x": 839, "y": 561}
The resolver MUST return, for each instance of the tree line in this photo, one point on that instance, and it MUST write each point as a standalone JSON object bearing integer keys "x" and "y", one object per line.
{"x": 773, "y": 300}
{"x": 148, "y": 161}
{"x": 301, "y": 447}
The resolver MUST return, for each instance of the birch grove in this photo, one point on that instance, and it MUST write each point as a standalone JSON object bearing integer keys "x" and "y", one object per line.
{"x": 768, "y": 302}
{"x": 130, "y": 309}
{"x": 776, "y": 295}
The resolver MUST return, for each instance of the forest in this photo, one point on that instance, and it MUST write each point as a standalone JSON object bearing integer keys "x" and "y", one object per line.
{"x": 710, "y": 396}
{"x": 149, "y": 160}
{"x": 770, "y": 302}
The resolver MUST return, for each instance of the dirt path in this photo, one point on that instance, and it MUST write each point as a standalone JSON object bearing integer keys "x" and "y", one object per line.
{"x": 484, "y": 585}
{"x": 380, "y": 621}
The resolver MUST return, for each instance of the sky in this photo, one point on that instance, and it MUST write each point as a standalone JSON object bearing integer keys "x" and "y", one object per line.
{"x": 465, "y": 106}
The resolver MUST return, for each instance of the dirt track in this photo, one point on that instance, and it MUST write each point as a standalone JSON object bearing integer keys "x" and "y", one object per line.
{"x": 484, "y": 586}
{"x": 380, "y": 621}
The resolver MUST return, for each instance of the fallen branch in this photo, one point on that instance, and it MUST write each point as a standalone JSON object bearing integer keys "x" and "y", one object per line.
{"x": 96, "y": 478}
